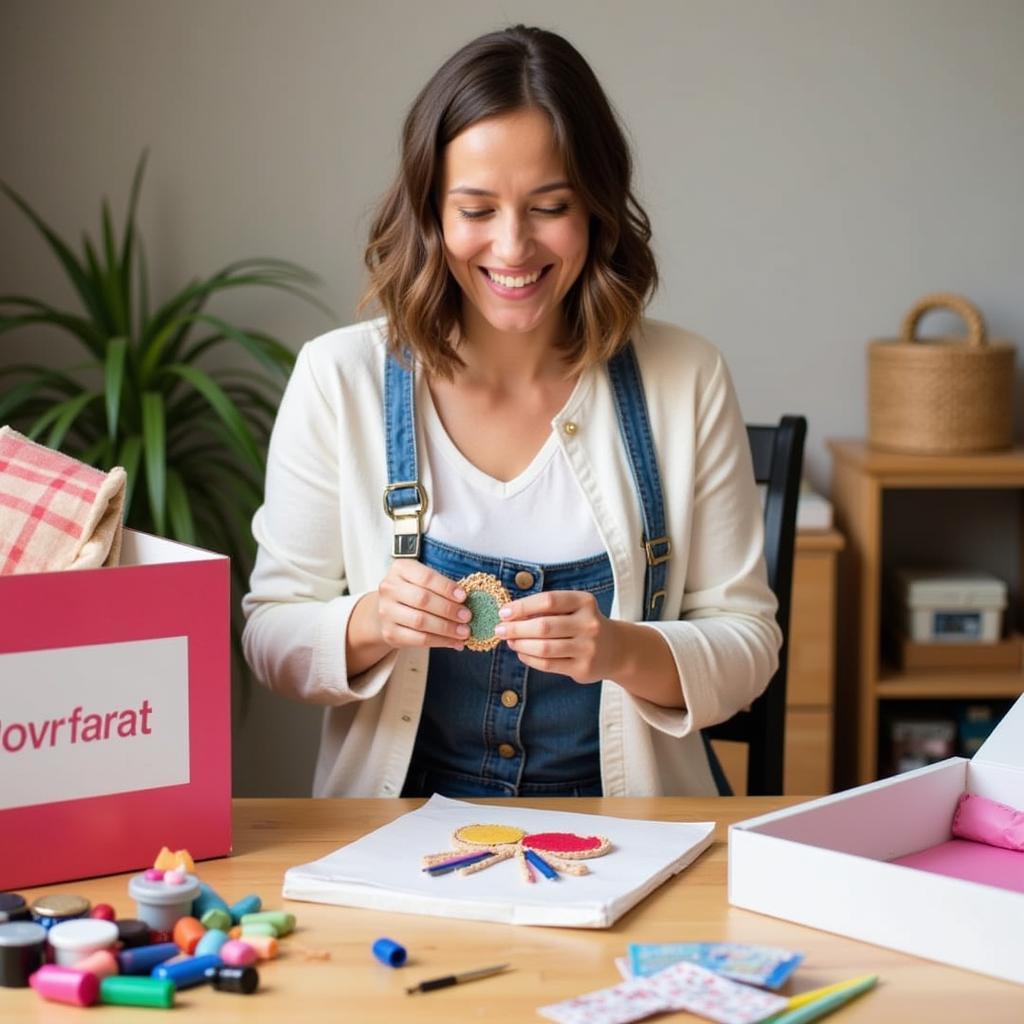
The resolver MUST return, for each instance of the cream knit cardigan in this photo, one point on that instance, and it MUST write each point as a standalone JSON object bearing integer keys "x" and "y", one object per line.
{"x": 324, "y": 541}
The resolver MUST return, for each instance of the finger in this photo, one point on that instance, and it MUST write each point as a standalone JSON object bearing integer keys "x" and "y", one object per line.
{"x": 550, "y": 602}
{"x": 545, "y": 648}
{"x": 413, "y": 595}
{"x": 557, "y": 666}
{"x": 550, "y": 627}
{"x": 429, "y": 579}
{"x": 424, "y": 622}
{"x": 402, "y": 636}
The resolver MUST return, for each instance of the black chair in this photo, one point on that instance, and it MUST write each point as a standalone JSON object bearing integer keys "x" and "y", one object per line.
{"x": 778, "y": 461}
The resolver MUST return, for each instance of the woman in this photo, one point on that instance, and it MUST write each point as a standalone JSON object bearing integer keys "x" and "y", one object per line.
{"x": 512, "y": 414}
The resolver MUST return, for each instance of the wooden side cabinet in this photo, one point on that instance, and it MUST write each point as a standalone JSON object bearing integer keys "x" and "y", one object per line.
{"x": 810, "y": 691}
{"x": 861, "y": 477}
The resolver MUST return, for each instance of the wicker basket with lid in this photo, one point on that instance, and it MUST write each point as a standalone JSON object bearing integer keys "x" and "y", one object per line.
{"x": 941, "y": 396}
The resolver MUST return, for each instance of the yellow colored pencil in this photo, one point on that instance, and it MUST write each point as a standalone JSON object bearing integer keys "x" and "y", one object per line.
{"x": 816, "y": 993}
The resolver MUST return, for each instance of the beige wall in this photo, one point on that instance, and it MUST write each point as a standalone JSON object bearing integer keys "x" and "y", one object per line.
{"x": 810, "y": 168}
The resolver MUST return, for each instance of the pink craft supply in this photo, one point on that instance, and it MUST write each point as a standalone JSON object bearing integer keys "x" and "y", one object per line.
{"x": 237, "y": 953}
{"x": 153, "y": 875}
{"x": 973, "y": 862}
{"x": 561, "y": 842}
{"x": 66, "y": 985}
{"x": 987, "y": 821}
{"x": 174, "y": 877}
{"x": 103, "y": 912}
{"x": 102, "y": 963}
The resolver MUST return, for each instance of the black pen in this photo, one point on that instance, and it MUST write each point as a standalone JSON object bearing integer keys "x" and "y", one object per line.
{"x": 456, "y": 979}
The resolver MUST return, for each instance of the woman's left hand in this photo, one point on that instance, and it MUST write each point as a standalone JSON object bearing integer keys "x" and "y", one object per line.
{"x": 561, "y": 631}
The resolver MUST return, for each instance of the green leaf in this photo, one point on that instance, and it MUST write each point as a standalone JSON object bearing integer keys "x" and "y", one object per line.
{"x": 268, "y": 351}
{"x": 143, "y": 290}
{"x": 154, "y": 447}
{"x": 238, "y": 430}
{"x": 113, "y": 379}
{"x": 113, "y": 280}
{"x": 68, "y": 413}
{"x": 41, "y": 313}
{"x": 86, "y": 289}
{"x": 105, "y": 307}
{"x": 179, "y": 509}
{"x": 128, "y": 457}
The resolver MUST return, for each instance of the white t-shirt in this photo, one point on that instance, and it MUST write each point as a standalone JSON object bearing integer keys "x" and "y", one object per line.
{"x": 540, "y": 516}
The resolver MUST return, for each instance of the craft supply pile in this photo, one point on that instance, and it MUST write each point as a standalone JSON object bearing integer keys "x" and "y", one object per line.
{"x": 184, "y": 934}
{"x": 724, "y": 982}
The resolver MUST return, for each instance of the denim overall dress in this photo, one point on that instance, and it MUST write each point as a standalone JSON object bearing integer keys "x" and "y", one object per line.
{"x": 491, "y": 726}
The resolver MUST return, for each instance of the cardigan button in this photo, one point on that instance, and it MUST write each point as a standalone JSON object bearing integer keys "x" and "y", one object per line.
{"x": 570, "y": 427}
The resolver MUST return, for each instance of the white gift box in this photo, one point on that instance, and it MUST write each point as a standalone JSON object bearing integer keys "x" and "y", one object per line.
{"x": 825, "y": 863}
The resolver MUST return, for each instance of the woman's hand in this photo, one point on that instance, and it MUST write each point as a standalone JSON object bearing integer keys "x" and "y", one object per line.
{"x": 412, "y": 607}
{"x": 561, "y": 631}
{"x": 418, "y": 607}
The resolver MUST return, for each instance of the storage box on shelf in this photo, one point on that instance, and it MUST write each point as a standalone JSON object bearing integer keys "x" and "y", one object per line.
{"x": 861, "y": 478}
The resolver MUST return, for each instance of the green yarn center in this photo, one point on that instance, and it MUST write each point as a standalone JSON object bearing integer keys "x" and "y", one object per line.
{"x": 485, "y": 614}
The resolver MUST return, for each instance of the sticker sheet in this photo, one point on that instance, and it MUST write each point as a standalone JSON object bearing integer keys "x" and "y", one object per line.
{"x": 765, "y": 966}
{"x": 683, "y": 986}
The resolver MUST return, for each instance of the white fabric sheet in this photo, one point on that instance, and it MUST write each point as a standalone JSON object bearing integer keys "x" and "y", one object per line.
{"x": 383, "y": 870}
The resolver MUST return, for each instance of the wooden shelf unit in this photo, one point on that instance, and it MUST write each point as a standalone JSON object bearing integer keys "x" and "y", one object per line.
{"x": 861, "y": 476}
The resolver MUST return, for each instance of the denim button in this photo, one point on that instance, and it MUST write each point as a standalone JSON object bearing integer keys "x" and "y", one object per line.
{"x": 507, "y": 750}
{"x": 524, "y": 580}
{"x": 509, "y": 698}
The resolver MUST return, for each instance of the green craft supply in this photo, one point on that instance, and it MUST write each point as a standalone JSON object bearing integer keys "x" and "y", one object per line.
{"x": 135, "y": 990}
{"x": 485, "y": 614}
{"x": 259, "y": 928}
{"x": 216, "y": 918}
{"x": 280, "y": 919}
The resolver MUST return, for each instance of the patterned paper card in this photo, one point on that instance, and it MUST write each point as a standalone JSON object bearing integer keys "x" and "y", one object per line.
{"x": 766, "y": 966}
{"x": 683, "y": 986}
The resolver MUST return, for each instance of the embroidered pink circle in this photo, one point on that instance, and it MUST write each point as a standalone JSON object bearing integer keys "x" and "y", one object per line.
{"x": 564, "y": 842}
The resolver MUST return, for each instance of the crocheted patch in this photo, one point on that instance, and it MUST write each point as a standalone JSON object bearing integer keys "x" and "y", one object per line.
{"x": 487, "y": 835}
{"x": 484, "y": 597}
{"x": 567, "y": 844}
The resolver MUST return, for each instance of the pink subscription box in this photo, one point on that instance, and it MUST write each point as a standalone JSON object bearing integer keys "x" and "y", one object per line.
{"x": 115, "y": 714}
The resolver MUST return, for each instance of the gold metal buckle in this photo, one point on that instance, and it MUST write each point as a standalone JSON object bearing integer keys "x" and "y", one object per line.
{"x": 406, "y": 510}
{"x": 652, "y": 558}
{"x": 658, "y": 595}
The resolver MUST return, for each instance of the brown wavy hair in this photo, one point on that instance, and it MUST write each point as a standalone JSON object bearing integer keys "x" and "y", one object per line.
{"x": 497, "y": 74}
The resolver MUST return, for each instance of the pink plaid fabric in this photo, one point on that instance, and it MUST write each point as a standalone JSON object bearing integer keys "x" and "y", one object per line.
{"x": 55, "y": 512}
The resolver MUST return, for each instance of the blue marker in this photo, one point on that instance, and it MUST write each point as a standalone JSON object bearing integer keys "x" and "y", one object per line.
{"x": 186, "y": 973}
{"x": 542, "y": 865}
{"x": 451, "y": 865}
{"x": 142, "y": 959}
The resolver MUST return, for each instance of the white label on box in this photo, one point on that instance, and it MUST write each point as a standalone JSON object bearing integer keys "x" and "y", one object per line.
{"x": 80, "y": 722}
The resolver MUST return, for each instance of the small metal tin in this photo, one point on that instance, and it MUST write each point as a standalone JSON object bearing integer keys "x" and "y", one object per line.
{"x": 59, "y": 906}
{"x": 22, "y": 952}
{"x": 13, "y": 908}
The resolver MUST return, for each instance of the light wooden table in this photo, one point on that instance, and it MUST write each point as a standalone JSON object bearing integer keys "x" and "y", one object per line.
{"x": 548, "y": 964}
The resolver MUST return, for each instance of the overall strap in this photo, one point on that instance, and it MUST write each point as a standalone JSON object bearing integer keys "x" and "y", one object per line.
{"x": 405, "y": 500}
{"x": 635, "y": 427}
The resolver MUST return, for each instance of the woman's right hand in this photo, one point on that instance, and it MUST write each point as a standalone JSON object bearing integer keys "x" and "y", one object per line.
{"x": 413, "y": 607}
{"x": 418, "y": 607}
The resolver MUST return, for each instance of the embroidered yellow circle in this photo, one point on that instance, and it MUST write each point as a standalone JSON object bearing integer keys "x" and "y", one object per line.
{"x": 488, "y": 835}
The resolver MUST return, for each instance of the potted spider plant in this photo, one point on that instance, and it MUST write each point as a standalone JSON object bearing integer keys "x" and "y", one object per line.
{"x": 191, "y": 434}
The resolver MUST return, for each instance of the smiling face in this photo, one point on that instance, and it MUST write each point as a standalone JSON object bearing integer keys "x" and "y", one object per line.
{"x": 515, "y": 232}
